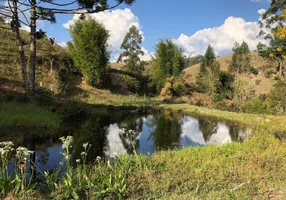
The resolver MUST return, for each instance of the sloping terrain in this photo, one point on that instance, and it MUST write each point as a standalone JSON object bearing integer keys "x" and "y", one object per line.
{"x": 51, "y": 58}
{"x": 259, "y": 83}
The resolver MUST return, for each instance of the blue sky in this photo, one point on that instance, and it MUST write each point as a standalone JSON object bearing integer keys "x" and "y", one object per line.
{"x": 181, "y": 22}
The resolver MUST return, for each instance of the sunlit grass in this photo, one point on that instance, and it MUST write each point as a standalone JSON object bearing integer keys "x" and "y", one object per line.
{"x": 26, "y": 115}
{"x": 270, "y": 123}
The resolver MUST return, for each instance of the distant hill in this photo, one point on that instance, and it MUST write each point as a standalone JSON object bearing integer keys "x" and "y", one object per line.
{"x": 260, "y": 84}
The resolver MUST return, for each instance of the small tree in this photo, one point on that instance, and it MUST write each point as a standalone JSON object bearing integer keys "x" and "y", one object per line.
{"x": 276, "y": 100}
{"x": 132, "y": 51}
{"x": 209, "y": 72}
{"x": 89, "y": 49}
{"x": 168, "y": 61}
{"x": 241, "y": 59}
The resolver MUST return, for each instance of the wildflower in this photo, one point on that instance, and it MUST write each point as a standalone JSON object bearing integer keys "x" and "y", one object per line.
{"x": 85, "y": 145}
{"x": 77, "y": 160}
{"x": 202, "y": 174}
{"x": 279, "y": 49}
{"x": 67, "y": 141}
{"x": 260, "y": 187}
{"x": 271, "y": 55}
{"x": 98, "y": 158}
{"x": 83, "y": 153}
{"x": 284, "y": 56}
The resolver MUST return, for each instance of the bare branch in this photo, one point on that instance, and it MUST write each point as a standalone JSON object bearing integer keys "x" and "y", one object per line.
{"x": 81, "y": 10}
{"x": 58, "y": 4}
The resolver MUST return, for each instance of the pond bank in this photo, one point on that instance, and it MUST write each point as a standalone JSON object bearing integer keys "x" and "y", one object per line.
{"x": 269, "y": 123}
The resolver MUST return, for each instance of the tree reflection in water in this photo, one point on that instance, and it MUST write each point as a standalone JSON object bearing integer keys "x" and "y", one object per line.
{"x": 167, "y": 130}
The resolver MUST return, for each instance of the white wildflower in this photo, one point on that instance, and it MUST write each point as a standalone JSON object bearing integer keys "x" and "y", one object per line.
{"x": 85, "y": 145}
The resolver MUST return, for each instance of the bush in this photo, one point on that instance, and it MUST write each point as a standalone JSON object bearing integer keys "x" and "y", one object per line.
{"x": 276, "y": 100}
{"x": 255, "y": 105}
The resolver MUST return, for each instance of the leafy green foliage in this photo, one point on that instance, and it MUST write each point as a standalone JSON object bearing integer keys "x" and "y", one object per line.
{"x": 255, "y": 105}
{"x": 209, "y": 72}
{"x": 132, "y": 51}
{"x": 241, "y": 58}
{"x": 89, "y": 49}
{"x": 131, "y": 82}
{"x": 276, "y": 99}
{"x": 224, "y": 88}
{"x": 168, "y": 61}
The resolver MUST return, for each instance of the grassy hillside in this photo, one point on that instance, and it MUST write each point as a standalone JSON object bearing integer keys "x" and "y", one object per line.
{"x": 50, "y": 59}
{"x": 260, "y": 83}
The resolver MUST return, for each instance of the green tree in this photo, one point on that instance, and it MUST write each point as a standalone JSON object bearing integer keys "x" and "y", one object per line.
{"x": 132, "y": 51}
{"x": 274, "y": 20}
{"x": 209, "y": 72}
{"x": 241, "y": 59}
{"x": 89, "y": 49}
{"x": 276, "y": 99}
{"x": 168, "y": 61}
{"x": 223, "y": 88}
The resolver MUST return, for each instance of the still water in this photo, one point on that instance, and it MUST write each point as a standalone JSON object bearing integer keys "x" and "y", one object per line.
{"x": 153, "y": 131}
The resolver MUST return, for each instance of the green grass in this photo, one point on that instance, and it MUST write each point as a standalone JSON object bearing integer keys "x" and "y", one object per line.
{"x": 269, "y": 123}
{"x": 27, "y": 116}
{"x": 253, "y": 169}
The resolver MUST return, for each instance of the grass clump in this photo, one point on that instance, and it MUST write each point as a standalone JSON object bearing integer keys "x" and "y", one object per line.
{"x": 26, "y": 115}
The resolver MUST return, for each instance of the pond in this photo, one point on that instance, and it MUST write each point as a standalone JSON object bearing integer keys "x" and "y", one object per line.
{"x": 152, "y": 131}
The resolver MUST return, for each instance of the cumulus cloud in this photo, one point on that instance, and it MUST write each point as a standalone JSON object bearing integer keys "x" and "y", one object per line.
{"x": 117, "y": 22}
{"x": 222, "y": 38}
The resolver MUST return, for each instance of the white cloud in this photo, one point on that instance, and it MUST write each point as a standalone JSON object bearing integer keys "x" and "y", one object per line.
{"x": 62, "y": 44}
{"x": 117, "y": 22}
{"x": 147, "y": 55}
{"x": 222, "y": 38}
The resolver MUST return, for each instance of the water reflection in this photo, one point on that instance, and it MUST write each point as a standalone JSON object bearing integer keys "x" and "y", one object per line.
{"x": 152, "y": 131}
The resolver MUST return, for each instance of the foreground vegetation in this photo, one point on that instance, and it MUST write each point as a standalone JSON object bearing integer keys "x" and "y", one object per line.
{"x": 253, "y": 169}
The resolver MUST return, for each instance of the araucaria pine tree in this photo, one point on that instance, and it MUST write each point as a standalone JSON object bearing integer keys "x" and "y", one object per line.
{"x": 132, "y": 51}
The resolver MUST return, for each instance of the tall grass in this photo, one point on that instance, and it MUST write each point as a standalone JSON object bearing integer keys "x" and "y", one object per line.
{"x": 14, "y": 114}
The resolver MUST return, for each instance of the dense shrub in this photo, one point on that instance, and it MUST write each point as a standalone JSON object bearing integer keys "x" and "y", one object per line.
{"x": 255, "y": 105}
{"x": 276, "y": 100}
{"x": 224, "y": 87}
